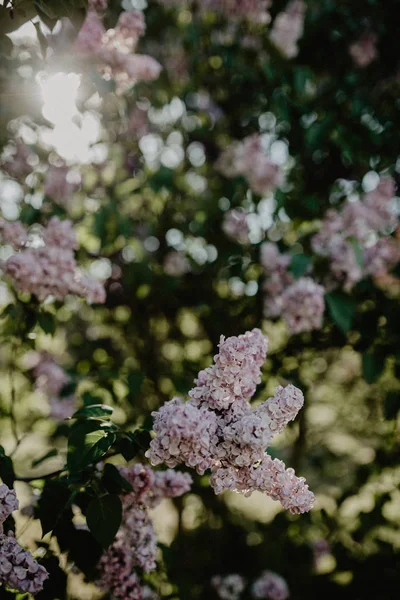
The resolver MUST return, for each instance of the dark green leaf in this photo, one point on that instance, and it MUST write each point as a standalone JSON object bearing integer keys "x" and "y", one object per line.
{"x": 113, "y": 480}
{"x": 55, "y": 498}
{"x": 88, "y": 442}
{"x": 341, "y": 309}
{"x": 6, "y": 468}
{"x": 47, "y": 322}
{"x": 392, "y": 404}
{"x": 299, "y": 265}
{"x": 373, "y": 364}
{"x": 94, "y": 410}
{"x": 104, "y": 517}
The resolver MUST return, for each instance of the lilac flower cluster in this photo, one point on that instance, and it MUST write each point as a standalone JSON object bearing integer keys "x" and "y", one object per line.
{"x": 50, "y": 380}
{"x": 301, "y": 303}
{"x": 288, "y": 28}
{"x": 364, "y": 51}
{"x": 8, "y": 502}
{"x": 350, "y": 238}
{"x": 228, "y": 587}
{"x": 57, "y": 187}
{"x": 176, "y": 264}
{"x": 113, "y": 49}
{"x": 217, "y": 428}
{"x": 247, "y": 158}
{"x": 18, "y": 569}
{"x": 19, "y": 164}
{"x": 236, "y": 226}
{"x": 46, "y": 266}
{"x": 270, "y": 586}
{"x": 135, "y": 544}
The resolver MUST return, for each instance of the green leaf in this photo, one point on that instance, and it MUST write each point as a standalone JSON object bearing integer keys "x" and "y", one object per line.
{"x": 113, "y": 480}
{"x": 104, "y": 516}
{"x": 127, "y": 448}
{"x": 88, "y": 398}
{"x": 55, "y": 498}
{"x": 392, "y": 404}
{"x": 88, "y": 442}
{"x": 101, "y": 411}
{"x": 47, "y": 322}
{"x": 299, "y": 265}
{"x": 373, "y": 364}
{"x": 40, "y": 460}
{"x": 341, "y": 309}
{"x": 6, "y": 468}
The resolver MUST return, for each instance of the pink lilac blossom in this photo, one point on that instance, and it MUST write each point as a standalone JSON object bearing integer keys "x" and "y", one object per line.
{"x": 18, "y": 165}
{"x": 50, "y": 380}
{"x": 176, "y": 264}
{"x": 288, "y": 27}
{"x": 303, "y": 305}
{"x": 236, "y": 372}
{"x": 217, "y": 428}
{"x": 18, "y": 569}
{"x": 278, "y": 277}
{"x": 113, "y": 49}
{"x": 345, "y": 237}
{"x": 235, "y": 225}
{"x": 8, "y": 502}
{"x": 50, "y": 269}
{"x": 247, "y": 158}
{"x": 57, "y": 187}
{"x": 382, "y": 257}
{"x": 13, "y": 234}
{"x": 99, "y": 5}
{"x": 364, "y": 51}
{"x": 135, "y": 544}
{"x": 270, "y": 586}
{"x": 229, "y": 587}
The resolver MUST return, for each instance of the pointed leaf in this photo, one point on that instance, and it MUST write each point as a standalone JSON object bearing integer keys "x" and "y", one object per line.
{"x": 341, "y": 308}
{"x": 104, "y": 516}
{"x": 88, "y": 442}
{"x": 94, "y": 410}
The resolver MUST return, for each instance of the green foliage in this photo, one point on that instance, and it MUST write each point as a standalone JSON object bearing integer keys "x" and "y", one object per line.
{"x": 104, "y": 515}
{"x": 88, "y": 442}
{"x": 342, "y": 309}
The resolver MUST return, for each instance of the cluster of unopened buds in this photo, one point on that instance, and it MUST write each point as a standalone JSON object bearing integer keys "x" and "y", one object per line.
{"x": 268, "y": 586}
{"x": 44, "y": 265}
{"x": 248, "y": 159}
{"x": 114, "y": 49}
{"x": 217, "y": 428}
{"x": 135, "y": 545}
{"x": 18, "y": 569}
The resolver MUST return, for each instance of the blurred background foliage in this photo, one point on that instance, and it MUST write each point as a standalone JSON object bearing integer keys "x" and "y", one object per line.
{"x": 143, "y": 193}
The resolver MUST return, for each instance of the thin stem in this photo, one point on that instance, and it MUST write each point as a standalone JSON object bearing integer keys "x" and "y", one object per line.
{"x": 46, "y": 476}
